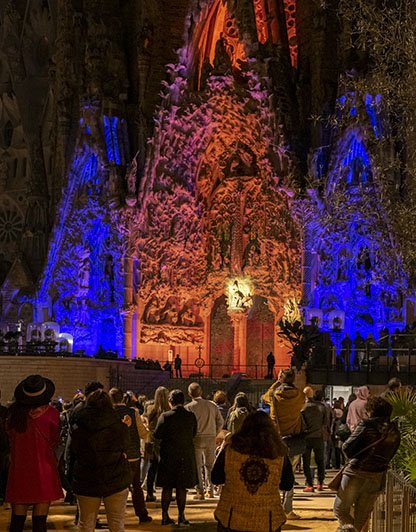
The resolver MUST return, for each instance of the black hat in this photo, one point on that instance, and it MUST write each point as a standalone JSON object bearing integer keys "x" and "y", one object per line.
{"x": 35, "y": 390}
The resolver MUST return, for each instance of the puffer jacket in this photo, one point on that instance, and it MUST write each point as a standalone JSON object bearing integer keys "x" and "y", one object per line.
{"x": 99, "y": 446}
{"x": 377, "y": 458}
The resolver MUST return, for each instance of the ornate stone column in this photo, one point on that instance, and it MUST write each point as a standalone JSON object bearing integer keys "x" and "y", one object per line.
{"x": 239, "y": 321}
{"x": 128, "y": 308}
{"x": 206, "y": 315}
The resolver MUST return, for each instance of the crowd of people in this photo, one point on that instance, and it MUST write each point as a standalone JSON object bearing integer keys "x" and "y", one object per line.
{"x": 102, "y": 445}
{"x": 361, "y": 351}
{"x": 173, "y": 368}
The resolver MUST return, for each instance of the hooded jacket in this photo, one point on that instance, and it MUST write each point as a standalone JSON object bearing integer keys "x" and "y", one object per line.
{"x": 99, "y": 446}
{"x": 356, "y": 410}
{"x": 286, "y": 403}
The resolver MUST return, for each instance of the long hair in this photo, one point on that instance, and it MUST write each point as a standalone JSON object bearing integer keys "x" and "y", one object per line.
{"x": 17, "y": 417}
{"x": 161, "y": 402}
{"x": 241, "y": 401}
{"x": 258, "y": 436}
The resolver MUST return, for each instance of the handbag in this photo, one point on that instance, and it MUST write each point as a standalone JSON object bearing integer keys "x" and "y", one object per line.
{"x": 287, "y": 478}
{"x": 336, "y": 481}
{"x": 343, "y": 432}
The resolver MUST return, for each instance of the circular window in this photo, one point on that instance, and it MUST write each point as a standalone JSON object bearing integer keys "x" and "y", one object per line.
{"x": 11, "y": 224}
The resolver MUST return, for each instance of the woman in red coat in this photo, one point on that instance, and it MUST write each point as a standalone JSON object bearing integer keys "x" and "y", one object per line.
{"x": 33, "y": 429}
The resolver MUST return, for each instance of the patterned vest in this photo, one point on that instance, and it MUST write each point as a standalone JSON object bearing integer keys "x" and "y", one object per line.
{"x": 250, "y": 498}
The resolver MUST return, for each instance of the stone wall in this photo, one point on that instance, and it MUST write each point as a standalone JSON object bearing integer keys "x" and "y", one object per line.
{"x": 68, "y": 374}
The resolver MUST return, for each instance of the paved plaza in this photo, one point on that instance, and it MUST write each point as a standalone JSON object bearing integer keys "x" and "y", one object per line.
{"x": 315, "y": 510}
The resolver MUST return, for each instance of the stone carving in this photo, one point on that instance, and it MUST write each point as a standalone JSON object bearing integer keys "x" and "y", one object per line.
{"x": 172, "y": 312}
{"x": 3, "y": 172}
{"x": 222, "y": 61}
{"x": 358, "y": 271}
{"x": 209, "y": 208}
{"x": 84, "y": 270}
{"x": 171, "y": 335}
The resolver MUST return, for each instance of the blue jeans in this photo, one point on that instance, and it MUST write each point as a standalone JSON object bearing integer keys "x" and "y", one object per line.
{"x": 287, "y": 496}
{"x": 358, "y": 491}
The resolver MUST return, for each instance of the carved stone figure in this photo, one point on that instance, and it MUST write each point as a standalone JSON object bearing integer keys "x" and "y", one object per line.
{"x": 152, "y": 313}
{"x": 84, "y": 270}
{"x": 222, "y": 61}
{"x": 342, "y": 274}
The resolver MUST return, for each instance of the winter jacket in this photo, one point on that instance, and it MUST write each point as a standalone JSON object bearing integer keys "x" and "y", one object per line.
{"x": 356, "y": 409}
{"x": 286, "y": 403}
{"x": 314, "y": 414}
{"x": 377, "y": 458}
{"x": 99, "y": 446}
{"x": 236, "y": 418}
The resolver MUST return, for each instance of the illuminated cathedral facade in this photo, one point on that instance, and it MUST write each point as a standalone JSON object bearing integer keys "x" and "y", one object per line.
{"x": 165, "y": 189}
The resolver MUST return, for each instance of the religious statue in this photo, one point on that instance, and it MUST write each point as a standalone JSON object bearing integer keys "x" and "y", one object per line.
{"x": 109, "y": 275}
{"x": 84, "y": 270}
{"x": 152, "y": 312}
{"x": 237, "y": 299}
{"x": 222, "y": 60}
{"x": 188, "y": 317}
{"x": 132, "y": 176}
{"x": 342, "y": 273}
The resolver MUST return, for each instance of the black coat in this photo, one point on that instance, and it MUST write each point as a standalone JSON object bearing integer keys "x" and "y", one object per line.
{"x": 176, "y": 430}
{"x": 377, "y": 458}
{"x": 99, "y": 446}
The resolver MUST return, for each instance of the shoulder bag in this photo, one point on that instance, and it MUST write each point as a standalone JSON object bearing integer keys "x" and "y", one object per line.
{"x": 336, "y": 481}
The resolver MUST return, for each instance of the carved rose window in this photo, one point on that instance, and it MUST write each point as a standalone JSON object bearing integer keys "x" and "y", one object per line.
{"x": 11, "y": 223}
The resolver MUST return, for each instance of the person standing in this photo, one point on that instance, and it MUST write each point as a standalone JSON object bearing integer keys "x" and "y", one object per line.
{"x": 152, "y": 412}
{"x": 314, "y": 414}
{"x": 131, "y": 417}
{"x": 393, "y": 386}
{"x": 369, "y": 449}
{"x": 240, "y": 409}
{"x": 249, "y": 469}
{"x": 176, "y": 430}
{"x": 357, "y": 410}
{"x": 210, "y": 422}
{"x": 271, "y": 361}
{"x": 33, "y": 429}
{"x": 220, "y": 399}
{"x": 178, "y": 367}
{"x": 359, "y": 350}
{"x": 101, "y": 471}
{"x": 286, "y": 403}
{"x": 346, "y": 349}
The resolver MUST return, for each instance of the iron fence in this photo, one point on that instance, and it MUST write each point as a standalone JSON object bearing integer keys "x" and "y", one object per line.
{"x": 395, "y": 509}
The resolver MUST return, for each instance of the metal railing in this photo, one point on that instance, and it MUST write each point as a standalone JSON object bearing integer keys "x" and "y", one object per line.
{"x": 374, "y": 359}
{"x": 395, "y": 509}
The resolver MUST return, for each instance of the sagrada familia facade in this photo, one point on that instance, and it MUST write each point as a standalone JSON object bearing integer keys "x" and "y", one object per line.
{"x": 181, "y": 174}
